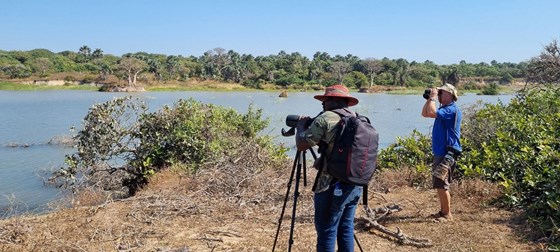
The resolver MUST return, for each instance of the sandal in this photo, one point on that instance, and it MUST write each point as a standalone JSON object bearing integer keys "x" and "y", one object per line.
{"x": 443, "y": 218}
{"x": 437, "y": 215}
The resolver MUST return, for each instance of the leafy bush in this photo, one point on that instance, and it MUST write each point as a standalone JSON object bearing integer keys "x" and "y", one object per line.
{"x": 16, "y": 71}
{"x": 506, "y": 79}
{"x": 521, "y": 150}
{"x": 412, "y": 151}
{"x": 355, "y": 79}
{"x": 288, "y": 80}
{"x": 121, "y": 145}
{"x": 490, "y": 89}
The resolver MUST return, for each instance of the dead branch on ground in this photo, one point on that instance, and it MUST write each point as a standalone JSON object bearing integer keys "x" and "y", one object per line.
{"x": 371, "y": 220}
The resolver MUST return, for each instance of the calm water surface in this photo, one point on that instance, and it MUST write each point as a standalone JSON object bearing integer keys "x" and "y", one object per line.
{"x": 34, "y": 118}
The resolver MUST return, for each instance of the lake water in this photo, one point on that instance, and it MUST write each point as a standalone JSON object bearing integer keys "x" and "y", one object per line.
{"x": 33, "y": 119}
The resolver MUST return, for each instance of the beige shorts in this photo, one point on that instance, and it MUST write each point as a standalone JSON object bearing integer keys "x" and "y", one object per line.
{"x": 439, "y": 183}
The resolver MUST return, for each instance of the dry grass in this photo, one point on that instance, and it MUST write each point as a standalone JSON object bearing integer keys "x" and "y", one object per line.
{"x": 193, "y": 85}
{"x": 382, "y": 89}
{"x": 237, "y": 208}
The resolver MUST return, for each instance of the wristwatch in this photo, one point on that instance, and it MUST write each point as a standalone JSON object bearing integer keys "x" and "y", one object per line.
{"x": 432, "y": 99}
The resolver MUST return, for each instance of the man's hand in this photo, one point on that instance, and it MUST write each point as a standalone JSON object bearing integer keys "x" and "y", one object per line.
{"x": 429, "y": 109}
{"x": 433, "y": 93}
{"x": 302, "y": 122}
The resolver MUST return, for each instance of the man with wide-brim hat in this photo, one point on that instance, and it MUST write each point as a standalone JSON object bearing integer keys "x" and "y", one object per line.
{"x": 332, "y": 226}
{"x": 337, "y": 91}
{"x": 446, "y": 145}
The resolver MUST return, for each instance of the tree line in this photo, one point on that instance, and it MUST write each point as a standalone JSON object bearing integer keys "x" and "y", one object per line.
{"x": 282, "y": 70}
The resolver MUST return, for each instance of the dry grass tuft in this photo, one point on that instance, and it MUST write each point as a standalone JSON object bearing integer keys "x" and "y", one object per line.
{"x": 88, "y": 197}
{"x": 386, "y": 180}
{"x": 13, "y": 231}
{"x": 476, "y": 190}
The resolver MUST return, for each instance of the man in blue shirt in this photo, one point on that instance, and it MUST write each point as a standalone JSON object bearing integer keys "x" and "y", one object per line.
{"x": 446, "y": 133}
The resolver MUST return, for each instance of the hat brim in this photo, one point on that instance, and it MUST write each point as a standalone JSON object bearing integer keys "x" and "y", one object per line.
{"x": 449, "y": 91}
{"x": 351, "y": 100}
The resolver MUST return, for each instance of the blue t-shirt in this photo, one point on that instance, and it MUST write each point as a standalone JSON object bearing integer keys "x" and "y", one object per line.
{"x": 447, "y": 129}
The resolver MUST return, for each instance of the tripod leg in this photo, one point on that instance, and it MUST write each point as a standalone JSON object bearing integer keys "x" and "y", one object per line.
{"x": 358, "y": 242}
{"x": 296, "y": 161}
{"x": 296, "y": 194}
{"x": 304, "y": 170}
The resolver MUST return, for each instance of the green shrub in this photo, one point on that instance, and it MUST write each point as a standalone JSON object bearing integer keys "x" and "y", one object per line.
{"x": 355, "y": 79}
{"x": 506, "y": 79}
{"x": 16, "y": 71}
{"x": 121, "y": 145}
{"x": 521, "y": 151}
{"x": 490, "y": 89}
{"x": 194, "y": 133}
{"x": 413, "y": 151}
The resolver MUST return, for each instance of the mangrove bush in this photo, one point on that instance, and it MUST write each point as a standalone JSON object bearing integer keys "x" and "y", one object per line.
{"x": 121, "y": 145}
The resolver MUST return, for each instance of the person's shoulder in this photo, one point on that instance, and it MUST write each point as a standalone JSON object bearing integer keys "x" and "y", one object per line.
{"x": 328, "y": 117}
{"x": 331, "y": 115}
{"x": 454, "y": 106}
{"x": 450, "y": 106}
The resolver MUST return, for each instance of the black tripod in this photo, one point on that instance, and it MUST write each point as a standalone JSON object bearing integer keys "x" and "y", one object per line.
{"x": 299, "y": 163}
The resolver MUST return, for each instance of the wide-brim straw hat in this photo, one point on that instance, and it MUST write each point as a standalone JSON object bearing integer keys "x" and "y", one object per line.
{"x": 451, "y": 89}
{"x": 338, "y": 91}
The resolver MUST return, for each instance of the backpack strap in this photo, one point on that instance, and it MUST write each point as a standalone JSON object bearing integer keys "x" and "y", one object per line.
{"x": 344, "y": 112}
{"x": 454, "y": 127}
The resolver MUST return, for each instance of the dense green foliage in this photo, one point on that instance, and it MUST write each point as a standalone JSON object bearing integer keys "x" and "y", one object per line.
{"x": 413, "y": 151}
{"x": 491, "y": 89}
{"x": 220, "y": 65}
{"x": 516, "y": 145}
{"x": 520, "y": 148}
{"x": 121, "y": 144}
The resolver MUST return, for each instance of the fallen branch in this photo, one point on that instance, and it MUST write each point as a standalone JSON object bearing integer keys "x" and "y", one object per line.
{"x": 372, "y": 217}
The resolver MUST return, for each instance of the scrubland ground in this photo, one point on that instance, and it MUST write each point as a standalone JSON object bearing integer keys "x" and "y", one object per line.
{"x": 178, "y": 212}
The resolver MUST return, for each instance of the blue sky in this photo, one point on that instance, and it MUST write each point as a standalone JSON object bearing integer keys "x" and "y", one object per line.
{"x": 443, "y": 31}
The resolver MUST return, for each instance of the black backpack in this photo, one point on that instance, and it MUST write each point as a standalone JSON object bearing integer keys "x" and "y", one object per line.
{"x": 354, "y": 155}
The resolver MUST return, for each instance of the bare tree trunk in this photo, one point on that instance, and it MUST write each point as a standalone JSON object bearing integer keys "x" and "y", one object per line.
{"x": 129, "y": 75}
{"x": 135, "y": 77}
